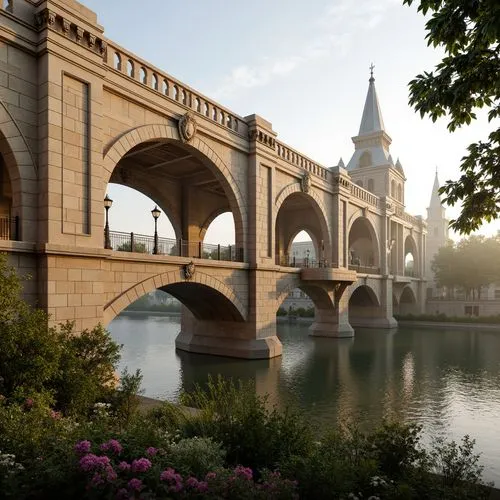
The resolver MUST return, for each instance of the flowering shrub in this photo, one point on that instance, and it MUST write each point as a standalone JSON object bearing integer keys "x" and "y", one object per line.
{"x": 143, "y": 478}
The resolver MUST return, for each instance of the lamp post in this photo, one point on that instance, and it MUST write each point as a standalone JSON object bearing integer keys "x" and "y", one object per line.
{"x": 107, "y": 205}
{"x": 156, "y": 212}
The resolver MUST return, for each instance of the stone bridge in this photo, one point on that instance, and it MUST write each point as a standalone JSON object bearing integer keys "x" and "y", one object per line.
{"x": 78, "y": 112}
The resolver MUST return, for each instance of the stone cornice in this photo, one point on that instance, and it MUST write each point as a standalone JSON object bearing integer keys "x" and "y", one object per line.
{"x": 51, "y": 20}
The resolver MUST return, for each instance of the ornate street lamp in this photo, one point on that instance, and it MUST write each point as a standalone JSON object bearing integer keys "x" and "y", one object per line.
{"x": 156, "y": 212}
{"x": 107, "y": 205}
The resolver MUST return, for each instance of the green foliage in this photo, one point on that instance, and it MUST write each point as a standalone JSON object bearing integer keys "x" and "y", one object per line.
{"x": 443, "y": 318}
{"x": 127, "y": 247}
{"x": 395, "y": 447}
{"x": 464, "y": 81}
{"x": 73, "y": 371}
{"x": 196, "y": 456}
{"x": 126, "y": 399}
{"x": 281, "y": 312}
{"x": 237, "y": 417}
{"x": 469, "y": 264}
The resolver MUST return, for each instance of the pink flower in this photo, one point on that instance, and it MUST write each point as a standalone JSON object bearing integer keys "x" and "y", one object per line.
{"x": 83, "y": 447}
{"x": 192, "y": 482}
{"x": 151, "y": 451}
{"x": 28, "y": 404}
{"x": 113, "y": 446}
{"x": 141, "y": 465}
{"x": 124, "y": 466}
{"x": 91, "y": 462}
{"x": 244, "y": 472}
{"x": 135, "y": 484}
{"x": 210, "y": 476}
{"x": 122, "y": 494}
{"x": 173, "y": 478}
{"x": 56, "y": 415}
{"x": 96, "y": 480}
{"x": 111, "y": 474}
{"x": 202, "y": 486}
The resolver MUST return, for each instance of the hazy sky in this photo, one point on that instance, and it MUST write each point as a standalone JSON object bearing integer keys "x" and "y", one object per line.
{"x": 302, "y": 65}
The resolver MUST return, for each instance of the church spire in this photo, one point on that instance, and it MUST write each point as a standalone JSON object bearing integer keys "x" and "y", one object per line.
{"x": 435, "y": 198}
{"x": 372, "y": 116}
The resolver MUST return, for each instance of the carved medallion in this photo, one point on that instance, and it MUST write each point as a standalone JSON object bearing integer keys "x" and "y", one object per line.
{"x": 189, "y": 270}
{"x": 305, "y": 183}
{"x": 187, "y": 127}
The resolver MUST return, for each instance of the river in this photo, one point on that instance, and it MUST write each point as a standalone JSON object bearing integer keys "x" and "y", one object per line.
{"x": 446, "y": 380}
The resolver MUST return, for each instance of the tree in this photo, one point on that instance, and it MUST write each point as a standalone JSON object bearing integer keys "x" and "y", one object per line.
{"x": 138, "y": 247}
{"x": 463, "y": 82}
{"x": 470, "y": 265}
{"x": 74, "y": 371}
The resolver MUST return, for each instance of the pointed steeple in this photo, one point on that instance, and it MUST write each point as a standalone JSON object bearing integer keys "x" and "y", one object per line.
{"x": 372, "y": 116}
{"x": 435, "y": 198}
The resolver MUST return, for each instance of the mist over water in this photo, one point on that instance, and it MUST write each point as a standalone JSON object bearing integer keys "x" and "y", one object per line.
{"x": 448, "y": 381}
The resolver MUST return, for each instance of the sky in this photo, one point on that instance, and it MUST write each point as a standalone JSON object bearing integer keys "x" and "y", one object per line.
{"x": 303, "y": 66}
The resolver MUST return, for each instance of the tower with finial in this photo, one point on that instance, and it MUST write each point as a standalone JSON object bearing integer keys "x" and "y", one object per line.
{"x": 371, "y": 165}
{"x": 437, "y": 229}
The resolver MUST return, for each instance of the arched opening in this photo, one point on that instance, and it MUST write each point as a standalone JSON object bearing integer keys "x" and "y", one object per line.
{"x": 363, "y": 306}
{"x": 219, "y": 227}
{"x": 143, "y": 76}
{"x": 188, "y": 187}
{"x": 400, "y": 193}
{"x": 407, "y": 302}
{"x": 130, "y": 69}
{"x": 393, "y": 188}
{"x": 410, "y": 256}
{"x": 154, "y": 82}
{"x": 371, "y": 185}
{"x": 301, "y": 227}
{"x": 165, "y": 87}
{"x": 366, "y": 159}
{"x": 363, "y": 247}
{"x": 118, "y": 61}
{"x": 132, "y": 225}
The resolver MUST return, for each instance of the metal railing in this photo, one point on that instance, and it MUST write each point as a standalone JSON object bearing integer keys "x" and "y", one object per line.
{"x": 287, "y": 261}
{"x": 140, "y": 243}
{"x": 364, "y": 269}
{"x": 9, "y": 228}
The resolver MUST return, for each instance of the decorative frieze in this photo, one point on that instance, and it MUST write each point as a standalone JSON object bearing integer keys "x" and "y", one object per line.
{"x": 263, "y": 138}
{"x": 47, "y": 19}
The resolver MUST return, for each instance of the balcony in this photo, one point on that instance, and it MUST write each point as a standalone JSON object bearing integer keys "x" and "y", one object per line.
{"x": 141, "y": 243}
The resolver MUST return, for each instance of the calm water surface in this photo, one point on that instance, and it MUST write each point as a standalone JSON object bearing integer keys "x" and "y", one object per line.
{"x": 449, "y": 381}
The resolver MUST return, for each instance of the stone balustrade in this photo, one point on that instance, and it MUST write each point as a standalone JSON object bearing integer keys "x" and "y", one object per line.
{"x": 365, "y": 195}
{"x": 295, "y": 158}
{"x": 131, "y": 66}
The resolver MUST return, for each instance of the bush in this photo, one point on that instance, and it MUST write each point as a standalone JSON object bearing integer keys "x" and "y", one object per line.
{"x": 237, "y": 417}
{"x": 196, "y": 456}
{"x": 74, "y": 371}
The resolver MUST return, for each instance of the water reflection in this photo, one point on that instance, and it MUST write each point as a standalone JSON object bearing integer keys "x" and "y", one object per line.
{"x": 449, "y": 381}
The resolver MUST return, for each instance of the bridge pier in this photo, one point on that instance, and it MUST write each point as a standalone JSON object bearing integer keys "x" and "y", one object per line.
{"x": 225, "y": 338}
{"x": 333, "y": 323}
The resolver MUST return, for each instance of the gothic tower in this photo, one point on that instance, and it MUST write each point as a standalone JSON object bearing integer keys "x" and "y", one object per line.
{"x": 437, "y": 232}
{"x": 371, "y": 165}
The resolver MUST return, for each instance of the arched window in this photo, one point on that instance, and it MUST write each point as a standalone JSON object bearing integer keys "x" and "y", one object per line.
{"x": 400, "y": 193}
{"x": 370, "y": 185}
{"x": 176, "y": 92}
{"x": 197, "y": 104}
{"x": 366, "y": 159}
{"x": 393, "y": 189}
{"x": 206, "y": 111}
{"x": 143, "y": 76}
{"x": 130, "y": 69}
{"x": 154, "y": 82}
{"x": 118, "y": 61}
{"x": 165, "y": 87}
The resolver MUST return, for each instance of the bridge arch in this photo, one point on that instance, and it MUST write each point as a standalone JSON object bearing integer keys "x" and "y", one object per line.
{"x": 298, "y": 211}
{"x": 205, "y": 296}
{"x": 21, "y": 169}
{"x": 410, "y": 256}
{"x": 158, "y": 134}
{"x": 407, "y": 301}
{"x": 319, "y": 296}
{"x": 364, "y": 246}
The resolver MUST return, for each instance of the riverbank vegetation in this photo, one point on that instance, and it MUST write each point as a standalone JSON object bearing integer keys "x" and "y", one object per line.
{"x": 443, "y": 318}
{"x": 67, "y": 432}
